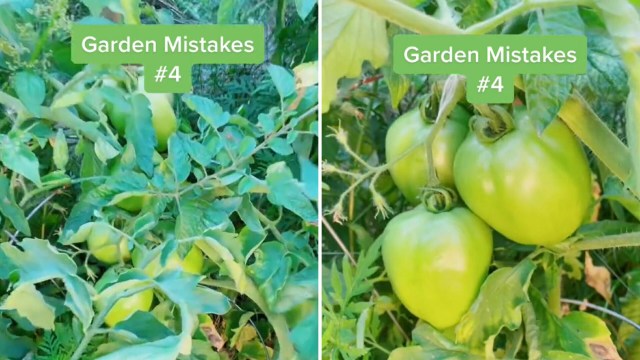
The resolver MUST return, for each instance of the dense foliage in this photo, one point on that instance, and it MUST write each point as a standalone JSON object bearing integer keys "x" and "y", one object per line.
{"x": 167, "y": 226}
{"x": 555, "y": 174}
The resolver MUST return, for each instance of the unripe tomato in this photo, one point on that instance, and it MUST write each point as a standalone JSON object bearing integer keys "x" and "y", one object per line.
{"x": 411, "y": 172}
{"x": 162, "y": 116}
{"x": 125, "y": 307}
{"x": 132, "y": 204}
{"x": 534, "y": 189}
{"x": 192, "y": 263}
{"x": 107, "y": 245}
{"x": 437, "y": 261}
{"x": 114, "y": 105}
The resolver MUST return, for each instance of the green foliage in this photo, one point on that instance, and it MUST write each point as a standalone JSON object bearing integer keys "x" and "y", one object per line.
{"x": 78, "y": 154}
{"x": 523, "y": 308}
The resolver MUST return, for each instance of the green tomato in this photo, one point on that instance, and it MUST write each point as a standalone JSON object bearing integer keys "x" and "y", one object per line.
{"x": 163, "y": 118}
{"x": 411, "y": 172}
{"x": 192, "y": 263}
{"x": 116, "y": 107}
{"x": 107, "y": 245}
{"x": 125, "y": 307}
{"x": 437, "y": 262}
{"x": 131, "y": 204}
{"x": 534, "y": 189}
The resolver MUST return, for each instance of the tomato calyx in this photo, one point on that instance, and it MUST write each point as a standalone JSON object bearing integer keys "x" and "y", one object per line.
{"x": 439, "y": 199}
{"x": 489, "y": 127}
{"x": 429, "y": 109}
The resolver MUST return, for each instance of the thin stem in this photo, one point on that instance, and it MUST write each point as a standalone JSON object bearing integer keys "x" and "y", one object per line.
{"x": 604, "y": 310}
{"x": 605, "y": 242}
{"x": 521, "y": 8}
{"x": 408, "y": 17}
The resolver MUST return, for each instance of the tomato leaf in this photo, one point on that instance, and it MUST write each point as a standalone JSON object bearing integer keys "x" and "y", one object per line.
{"x": 283, "y": 80}
{"x": 12, "y": 346}
{"x": 18, "y": 157}
{"x": 30, "y": 304}
{"x": 628, "y": 336}
{"x": 305, "y": 336}
{"x": 270, "y": 276}
{"x": 351, "y": 36}
{"x": 285, "y": 190}
{"x": 504, "y": 292}
{"x": 144, "y": 326}
{"x": 31, "y": 90}
{"x": 546, "y": 93}
{"x": 209, "y": 110}
{"x": 305, "y": 7}
{"x": 421, "y": 353}
{"x": 10, "y": 209}
{"x": 164, "y": 349}
{"x": 60, "y": 150}
{"x": 139, "y": 132}
{"x": 586, "y": 334}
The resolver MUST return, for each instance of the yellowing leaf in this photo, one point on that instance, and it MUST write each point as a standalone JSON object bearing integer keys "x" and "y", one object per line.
{"x": 598, "y": 277}
{"x": 351, "y": 35}
{"x": 586, "y": 334}
{"x": 306, "y": 74}
{"x": 30, "y": 304}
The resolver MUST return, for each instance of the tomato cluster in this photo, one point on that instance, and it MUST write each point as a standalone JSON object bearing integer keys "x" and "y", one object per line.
{"x": 534, "y": 189}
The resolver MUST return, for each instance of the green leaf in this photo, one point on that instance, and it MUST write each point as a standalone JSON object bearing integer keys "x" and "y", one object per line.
{"x": 78, "y": 299}
{"x": 164, "y": 349}
{"x": 504, "y": 292}
{"x": 125, "y": 182}
{"x": 31, "y": 268}
{"x": 285, "y": 190}
{"x": 31, "y": 90}
{"x": 268, "y": 274}
{"x": 476, "y": 10}
{"x": 586, "y": 334}
{"x": 10, "y": 209}
{"x": 547, "y": 93}
{"x": 249, "y": 215}
{"x": 104, "y": 150}
{"x": 210, "y": 111}
{"x": 305, "y": 7}
{"x": 629, "y": 336}
{"x": 420, "y": 353}
{"x": 144, "y": 326}
{"x": 299, "y": 287}
{"x": 12, "y": 346}
{"x": 139, "y": 132}
{"x": 283, "y": 80}
{"x": 226, "y": 11}
{"x": 19, "y": 158}
{"x": 60, "y": 150}
{"x": 615, "y": 190}
{"x": 198, "y": 215}
{"x": 305, "y": 336}
{"x": 351, "y": 35}
{"x": 30, "y": 304}
{"x": 398, "y": 85}
{"x": 179, "y": 158}
{"x": 280, "y": 146}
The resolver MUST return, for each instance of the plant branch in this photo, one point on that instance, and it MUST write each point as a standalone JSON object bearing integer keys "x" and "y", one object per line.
{"x": 605, "y": 242}
{"x": 408, "y": 17}
{"x": 521, "y": 8}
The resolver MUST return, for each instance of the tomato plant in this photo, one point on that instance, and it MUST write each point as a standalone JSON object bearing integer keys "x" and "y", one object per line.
{"x": 516, "y": 239}
{"x": 212, "y": 193}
